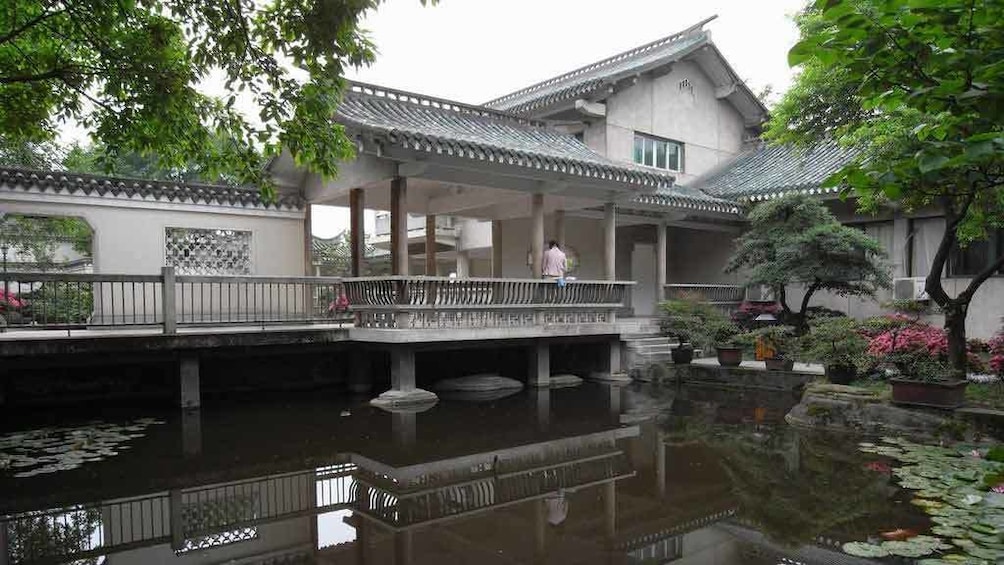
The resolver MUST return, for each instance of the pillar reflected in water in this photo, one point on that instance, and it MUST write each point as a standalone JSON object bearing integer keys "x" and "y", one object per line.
{"x": 542, "y": 402}
{"x": 191, "y": 432}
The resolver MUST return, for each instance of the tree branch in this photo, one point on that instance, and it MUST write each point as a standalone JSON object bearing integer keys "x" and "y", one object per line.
{"x": 28, "y": 25}
{"x": 967, "y": 295}
{"x": 59, "y": 73}
{"x": 932, "y": 284}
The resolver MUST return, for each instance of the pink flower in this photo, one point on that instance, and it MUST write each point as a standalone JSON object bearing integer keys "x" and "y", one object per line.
{"x": 998, "y": 489}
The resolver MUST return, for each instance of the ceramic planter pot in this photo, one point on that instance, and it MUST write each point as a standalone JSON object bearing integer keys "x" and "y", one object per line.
{"x": 729, "y": 356}
{"x": 779, "y": 364}
{"x": 683, "y": 354}
{"x": 841, "y": 374}
{"x": 939, "y": 394}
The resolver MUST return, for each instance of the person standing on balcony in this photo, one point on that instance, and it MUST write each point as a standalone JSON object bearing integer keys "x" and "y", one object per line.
{"x": 555, "y": 263}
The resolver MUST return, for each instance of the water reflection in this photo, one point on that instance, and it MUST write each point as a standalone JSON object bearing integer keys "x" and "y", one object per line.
{"x": 596, "y": 474}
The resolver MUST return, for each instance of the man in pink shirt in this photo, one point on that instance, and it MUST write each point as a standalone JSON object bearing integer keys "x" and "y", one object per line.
{"x": 554, "y": 261}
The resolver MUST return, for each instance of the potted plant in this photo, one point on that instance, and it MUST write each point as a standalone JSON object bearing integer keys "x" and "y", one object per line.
{"x": 919, "y": 352}
{"x": 728, "y": 344}
{"x": 778, "y": 343}
{"x": 688, "y": 320}
{"x": 837, "y": 344}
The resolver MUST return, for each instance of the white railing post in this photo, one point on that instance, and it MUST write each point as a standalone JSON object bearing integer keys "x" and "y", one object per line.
{"x": 167, "y": 300}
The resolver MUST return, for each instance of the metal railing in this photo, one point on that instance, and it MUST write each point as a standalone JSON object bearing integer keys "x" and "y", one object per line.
{"x": 439, "y": 302}
{"x": 727, "y": 297}
{"x": 66, "y": 301}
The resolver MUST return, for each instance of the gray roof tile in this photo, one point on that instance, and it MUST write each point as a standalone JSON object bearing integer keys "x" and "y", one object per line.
{"x": 61, "y": 182}
{"x": 767, "y": 171}
{"x": 590, "y": 78}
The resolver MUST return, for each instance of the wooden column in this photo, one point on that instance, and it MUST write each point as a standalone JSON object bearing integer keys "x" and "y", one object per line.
{"x": 430, "y": 245}
{"x": 399, "y": 226}
{"x": 609, "y": 242}
{"x": 536, "y": 234}
{"x": 308, "y": 241}
{"x": 661, "y": 272}
{"x": 559, "y": 228}
{"x": 357, "y": 235}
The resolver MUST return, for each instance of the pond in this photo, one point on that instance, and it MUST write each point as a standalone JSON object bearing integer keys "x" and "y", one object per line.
{"x": 591, "y": 474}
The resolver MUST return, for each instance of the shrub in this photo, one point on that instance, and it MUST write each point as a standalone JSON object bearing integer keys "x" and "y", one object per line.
{"x": 745, "y": 317}
{"x": 996, "y": 347}
{"x": 689, "y": 319}
{"x": 779, "y": 339}
{"x": 917, "y": 349}
{"x": 833, "y": 341}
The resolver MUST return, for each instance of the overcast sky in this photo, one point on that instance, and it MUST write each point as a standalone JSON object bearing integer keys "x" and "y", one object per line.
{"x": 475, "y": 50}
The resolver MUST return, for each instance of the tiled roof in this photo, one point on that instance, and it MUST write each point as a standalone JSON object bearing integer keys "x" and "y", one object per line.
{"x": 768, "y": 171}
{"x": 443, "y": 127}
{"x": 689, "y": 198}
{"x": 75, "y": 184}
{"x": 585, "y": 80}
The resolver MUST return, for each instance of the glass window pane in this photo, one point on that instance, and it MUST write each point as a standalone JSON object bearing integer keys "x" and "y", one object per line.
{"x": 674, "y": 156}
{"x": 971, "y": 259}
{"x": 660, "y": 154}
{"x": 639, "y": 144}
{"x": 649, "y": 152}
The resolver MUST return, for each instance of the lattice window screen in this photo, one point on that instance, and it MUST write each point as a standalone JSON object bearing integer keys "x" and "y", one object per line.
{"x": 195, "y": 251}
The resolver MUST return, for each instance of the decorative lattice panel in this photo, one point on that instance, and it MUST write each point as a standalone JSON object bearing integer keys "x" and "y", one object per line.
{"x": 194, "y": 251}
{"x": 217, "y": 540}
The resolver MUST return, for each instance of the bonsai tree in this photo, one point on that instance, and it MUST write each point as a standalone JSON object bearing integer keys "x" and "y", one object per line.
{"x": 796, "y": 240}
{"x": 836, "y": 343}
{"x": 919, "y": 88}
{"x": 690, "y": 320}
{"x": 779, "y": 339}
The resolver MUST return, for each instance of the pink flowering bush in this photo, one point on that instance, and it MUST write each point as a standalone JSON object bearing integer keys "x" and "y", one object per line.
{"x": 916, "y": 349}
{"x": 996, "y": 347}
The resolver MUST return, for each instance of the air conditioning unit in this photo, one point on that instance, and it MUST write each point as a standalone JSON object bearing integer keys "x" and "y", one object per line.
{"x": 911, "y": 288}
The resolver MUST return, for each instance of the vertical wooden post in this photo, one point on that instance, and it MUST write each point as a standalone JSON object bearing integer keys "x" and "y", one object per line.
{"x": 308, "y": 240}
{"x": 496, "y": 250}
{"x": 609, "y": 242}
{"x": 661, "y": 272}
{"x": 559, "y": 228}
{"x": 357, "y": 235}
{"x": 167, "y": 300}
{"x": 430, "y": 245}
{"x": 537, "y": 235}
{"x": 399, "y": 225}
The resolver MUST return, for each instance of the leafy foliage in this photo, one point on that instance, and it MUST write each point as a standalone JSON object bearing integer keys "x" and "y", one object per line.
{"x": 129, "y": 72}
{"x": 39, "y": 236}
{"x": 796, "y": 240}
{"x": 918, "y": 86}
{"x": 833, "y": 341}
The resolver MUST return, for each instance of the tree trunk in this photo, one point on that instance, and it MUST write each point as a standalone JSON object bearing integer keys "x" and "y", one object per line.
{"x": 955, "y": 327}
{"x": 801, "y": 323}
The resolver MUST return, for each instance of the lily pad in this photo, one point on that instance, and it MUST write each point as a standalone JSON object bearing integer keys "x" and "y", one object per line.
{"x": 861, "y": 549}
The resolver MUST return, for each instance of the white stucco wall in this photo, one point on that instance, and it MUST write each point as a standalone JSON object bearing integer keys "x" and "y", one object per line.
{"x": 129, "y": 236}
{"x": 697, "y": 256}
{"x": 710, "y": 129}
{"x": 584, "y": 235}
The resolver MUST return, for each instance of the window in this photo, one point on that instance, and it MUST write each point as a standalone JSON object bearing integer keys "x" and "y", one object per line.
{"x": 977, "y": 256}
{"x": 658, "y": 153}
{"x": 194, "y": 251}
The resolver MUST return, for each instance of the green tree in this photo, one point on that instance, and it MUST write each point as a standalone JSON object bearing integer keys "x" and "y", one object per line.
{"x": 39, "y": 236}
{"x": 129, "y": 71}
{"x": 919, "y": 85}
{"x": 795, "y": 240}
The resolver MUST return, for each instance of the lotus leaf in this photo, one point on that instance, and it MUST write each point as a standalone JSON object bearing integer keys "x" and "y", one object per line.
{"x": 908, "y": 548}
{"x": 985, "y": 553}
{"x": 950, "y": 531}
{"x": 861, "y": 549}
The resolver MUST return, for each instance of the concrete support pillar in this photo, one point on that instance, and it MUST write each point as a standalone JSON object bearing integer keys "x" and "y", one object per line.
{"x": 430, "y": 245}
{"x": 902, "y": 246}
{"x": 191, "y": 432}
{"x": 463, "y": 264}
{"x": 399, "y": 226}
{"x": 177, "y": 519}
{"x": 610, "y": 509}
{"x": 496, "y": 251}
{"x": 661, "y": 272}
{"x": 359, "y": 372}
{"x": 188, "y": 374}
{"x": 559, "y": 228}
{"x": 539, "y": 530}
{"x": 609, "y": 242}
{"x": 536, "y": 234}
{"x": 660, "y": 466}
{"x": 615, "y": 356}
{"x": 357, "y": 234}
{"x": 614, "y": 395}
{"x": 402, "y": 547}
{"x": 308, "y": 241}
{"x": 539, "y": 370}
{"x": 403, "y": 393}
{"x": 362, "y": 524}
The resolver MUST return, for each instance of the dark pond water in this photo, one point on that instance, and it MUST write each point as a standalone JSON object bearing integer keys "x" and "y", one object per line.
{"x": 593, "y": 474}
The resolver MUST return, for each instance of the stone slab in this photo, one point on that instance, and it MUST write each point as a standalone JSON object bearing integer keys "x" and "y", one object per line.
{"x": 613, "y": 378}
{"x": 414, "y": 400}
{"x": 562, "y": 381}
{"x": 478, "y": 383}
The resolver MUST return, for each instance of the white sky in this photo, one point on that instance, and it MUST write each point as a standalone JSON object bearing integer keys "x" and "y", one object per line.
{"x": 475, "y": 50}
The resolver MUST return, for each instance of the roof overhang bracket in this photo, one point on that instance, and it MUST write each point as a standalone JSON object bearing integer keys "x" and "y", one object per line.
{"x": 726, "y": 90}
{"x": 591, "y": 109}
